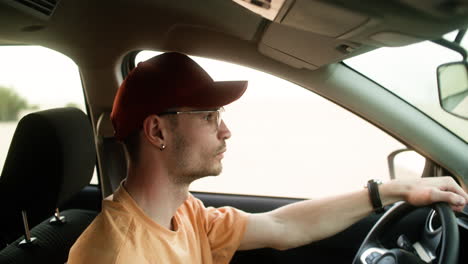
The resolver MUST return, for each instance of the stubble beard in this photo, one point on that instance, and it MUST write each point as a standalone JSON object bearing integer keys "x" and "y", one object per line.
{"x": 188, "y": 168}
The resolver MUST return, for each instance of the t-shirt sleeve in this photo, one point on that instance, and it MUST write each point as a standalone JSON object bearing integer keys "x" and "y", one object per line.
{"x": 225, "y": 228}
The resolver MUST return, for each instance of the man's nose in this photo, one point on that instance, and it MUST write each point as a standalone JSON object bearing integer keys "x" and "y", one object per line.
{"x": 223, "y": 131}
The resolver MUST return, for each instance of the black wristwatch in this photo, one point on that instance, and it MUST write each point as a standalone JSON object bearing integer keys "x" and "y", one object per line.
{"x": 374, "y": 195}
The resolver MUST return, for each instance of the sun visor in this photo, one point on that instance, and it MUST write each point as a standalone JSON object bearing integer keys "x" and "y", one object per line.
{"x": 300, "y": 48}
{"x": 268, "y": 9}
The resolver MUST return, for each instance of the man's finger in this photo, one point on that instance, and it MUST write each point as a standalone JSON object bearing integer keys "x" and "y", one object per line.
{"x": 449, "y": 197}
{"x": 457, "y": 208}
{"x": 451, "y": 185}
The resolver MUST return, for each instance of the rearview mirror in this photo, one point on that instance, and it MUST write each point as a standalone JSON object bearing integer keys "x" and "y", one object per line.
{"x": 452, "y": 79}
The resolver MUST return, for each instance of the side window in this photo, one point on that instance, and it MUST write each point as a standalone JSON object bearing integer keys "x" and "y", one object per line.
{"x": 289, "y": 142}
{"x": 34, "y": 78}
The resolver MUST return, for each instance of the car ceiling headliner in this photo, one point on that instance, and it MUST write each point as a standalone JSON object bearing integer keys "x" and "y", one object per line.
{"x": 83, "y": 29}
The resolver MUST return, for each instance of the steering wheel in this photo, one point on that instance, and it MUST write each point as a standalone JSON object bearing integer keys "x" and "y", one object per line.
{"x": 443, "y": 235}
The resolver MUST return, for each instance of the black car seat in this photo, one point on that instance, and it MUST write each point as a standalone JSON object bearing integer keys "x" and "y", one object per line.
{"x": 51, "y": 158}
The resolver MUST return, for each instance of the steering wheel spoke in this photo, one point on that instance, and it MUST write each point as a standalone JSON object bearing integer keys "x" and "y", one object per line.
{"x": 431, "y": 238}
{"x": 424, "y": 252}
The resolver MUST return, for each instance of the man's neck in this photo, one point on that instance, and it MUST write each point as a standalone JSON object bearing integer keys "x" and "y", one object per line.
{"x": 156, "y": 194}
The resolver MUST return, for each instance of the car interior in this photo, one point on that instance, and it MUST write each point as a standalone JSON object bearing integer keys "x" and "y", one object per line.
{"x": 47, "y": 199}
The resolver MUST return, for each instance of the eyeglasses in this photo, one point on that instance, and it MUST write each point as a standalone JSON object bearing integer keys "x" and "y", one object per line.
{"x": 210, "y": 115}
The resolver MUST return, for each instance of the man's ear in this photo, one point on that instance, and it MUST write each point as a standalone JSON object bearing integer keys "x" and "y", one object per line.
{"x": 153, "y": 128}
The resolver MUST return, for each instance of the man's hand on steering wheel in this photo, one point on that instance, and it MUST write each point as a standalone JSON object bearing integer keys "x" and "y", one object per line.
{"x": 425, "y": 191}
{"x": 440, "y": 244}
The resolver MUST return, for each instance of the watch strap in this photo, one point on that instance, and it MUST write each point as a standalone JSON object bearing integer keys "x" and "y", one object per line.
{"x": 374, "y": 195}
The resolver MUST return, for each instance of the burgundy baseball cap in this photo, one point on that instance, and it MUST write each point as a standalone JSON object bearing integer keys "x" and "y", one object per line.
{"x": 167, "y": 81}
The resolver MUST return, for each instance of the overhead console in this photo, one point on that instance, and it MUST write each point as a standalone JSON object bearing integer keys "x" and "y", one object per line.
{"x": 312, "y": 33}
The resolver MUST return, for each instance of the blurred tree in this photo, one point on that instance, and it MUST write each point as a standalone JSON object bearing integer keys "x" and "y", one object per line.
{"x": 71, "y": 104}
{"x": 11, "y": 104}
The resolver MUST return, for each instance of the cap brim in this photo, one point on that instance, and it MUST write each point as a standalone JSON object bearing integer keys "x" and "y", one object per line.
{"x": 224, "y": 93}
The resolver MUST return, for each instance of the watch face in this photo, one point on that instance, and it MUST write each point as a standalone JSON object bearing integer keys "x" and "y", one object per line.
{"x": 376, "y": 181}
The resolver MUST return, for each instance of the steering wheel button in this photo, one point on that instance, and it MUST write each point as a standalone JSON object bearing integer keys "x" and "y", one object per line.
{"x": 374, "y": 255}
{"x": 370, "y": 259}
{"x": 387, "y": 260}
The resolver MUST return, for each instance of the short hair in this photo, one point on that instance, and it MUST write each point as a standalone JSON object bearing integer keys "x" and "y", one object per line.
{"x": 132, "y": 142}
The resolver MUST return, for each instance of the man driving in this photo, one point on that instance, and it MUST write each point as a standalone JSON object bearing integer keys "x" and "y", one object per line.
{"x": 168, "y": 115}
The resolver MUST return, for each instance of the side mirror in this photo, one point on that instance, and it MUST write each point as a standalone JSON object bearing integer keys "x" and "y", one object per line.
{"x": 405, "y": 164}
{"x": 452, "y": 79}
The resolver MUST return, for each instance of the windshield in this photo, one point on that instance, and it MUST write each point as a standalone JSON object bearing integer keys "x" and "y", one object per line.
{"x": 410, "y": 73}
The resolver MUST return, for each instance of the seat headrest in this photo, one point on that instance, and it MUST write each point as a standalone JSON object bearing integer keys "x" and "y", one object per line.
{"x": 51, "y": 158}
{"x": 104, "y": 126}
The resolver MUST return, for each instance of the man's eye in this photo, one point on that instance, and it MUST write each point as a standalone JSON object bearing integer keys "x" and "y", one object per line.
{"x": 209, "y": 116}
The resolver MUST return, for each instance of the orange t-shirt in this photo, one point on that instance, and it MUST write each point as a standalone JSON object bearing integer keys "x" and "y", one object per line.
{"x": 123, "y": 233}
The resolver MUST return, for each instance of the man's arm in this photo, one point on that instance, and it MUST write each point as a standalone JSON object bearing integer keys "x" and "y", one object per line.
{"x": 307, "y": 221}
